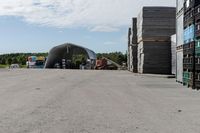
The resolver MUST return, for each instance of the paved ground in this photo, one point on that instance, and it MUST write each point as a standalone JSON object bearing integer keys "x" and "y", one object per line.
{"x": 63, "y": 101}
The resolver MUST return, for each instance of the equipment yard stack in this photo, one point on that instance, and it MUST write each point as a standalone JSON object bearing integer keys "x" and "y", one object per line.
{"x": 129, "y": 46}
{"x": 155, "y": 25}
{"x": 191, "y": 43}
{"x": 197, "y": 43}
{"x": 132, "y": 47}
{"x": 180, "y": 41}
{"x": 173, "y": 51}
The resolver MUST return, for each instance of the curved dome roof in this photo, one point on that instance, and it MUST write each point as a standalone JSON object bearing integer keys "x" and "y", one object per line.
{"x": 57, "y": 53}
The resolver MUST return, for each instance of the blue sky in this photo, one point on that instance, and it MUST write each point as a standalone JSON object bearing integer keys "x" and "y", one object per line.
{"x": 19, "y": 36}
{"x": 38, "y": 25}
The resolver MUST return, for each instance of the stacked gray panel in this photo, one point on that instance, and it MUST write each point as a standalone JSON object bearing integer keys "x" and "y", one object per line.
{"x": 155, "y": 57}
{"x": 134, "y": 31}
{"x": 155, "y": 26}
{"x": 156, "y": 23}
{"x": 173, "y": 51}
{"x": 133, "y": 58}
{"x": 128, "y": 52}
{"x": 133, "y": 51}
{"x": 180, "y": 41}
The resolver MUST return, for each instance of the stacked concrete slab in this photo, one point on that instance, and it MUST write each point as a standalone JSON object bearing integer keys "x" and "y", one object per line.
{"x": 155, "y": 25}
{"x": 180, "y": 41}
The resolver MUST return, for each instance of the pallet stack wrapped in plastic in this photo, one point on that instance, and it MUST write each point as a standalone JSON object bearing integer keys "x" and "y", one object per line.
{"x": 190, "y": 47}
{"x": 155, "y": 25}
{"x": 197, "y": 43}
{"x": 180, "y": 41}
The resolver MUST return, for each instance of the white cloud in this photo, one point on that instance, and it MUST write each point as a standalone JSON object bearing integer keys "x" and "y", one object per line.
{"x": 103, "y": 28}
{"x": 95, "y": 15}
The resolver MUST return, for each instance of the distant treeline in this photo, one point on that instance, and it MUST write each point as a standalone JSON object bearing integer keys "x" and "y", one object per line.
{"x": 21, "y": 58}
{"x": 17, "y": 58}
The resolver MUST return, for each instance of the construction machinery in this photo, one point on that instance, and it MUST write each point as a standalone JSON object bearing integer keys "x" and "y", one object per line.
{"x": 35, "y": 62}
{"x": 107, "y": 64}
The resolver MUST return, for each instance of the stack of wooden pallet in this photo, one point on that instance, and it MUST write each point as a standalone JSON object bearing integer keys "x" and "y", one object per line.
{"x": 133, "y": 46}
{"x": 155, "y": 25}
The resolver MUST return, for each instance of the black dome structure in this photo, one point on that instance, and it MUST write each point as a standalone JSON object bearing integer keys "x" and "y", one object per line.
{"x": 66, "y": 52}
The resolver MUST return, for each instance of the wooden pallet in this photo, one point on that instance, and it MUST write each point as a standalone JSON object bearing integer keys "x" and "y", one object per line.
{"x": 158, "y": 39}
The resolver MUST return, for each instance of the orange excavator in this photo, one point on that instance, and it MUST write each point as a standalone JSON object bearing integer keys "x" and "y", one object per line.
{"x": 101, "y": 64}
{"x": 107, "y": 64}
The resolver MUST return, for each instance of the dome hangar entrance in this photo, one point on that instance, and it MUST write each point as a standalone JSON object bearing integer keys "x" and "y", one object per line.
{"x": 70, "y": 56}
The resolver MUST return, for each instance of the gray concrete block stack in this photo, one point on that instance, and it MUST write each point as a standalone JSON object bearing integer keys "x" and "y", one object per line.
{"x": 155, "y": 25}
{"x": 128, "y": 52}
{"x": 180, "y": 40}
{"x": 133, "y": 46}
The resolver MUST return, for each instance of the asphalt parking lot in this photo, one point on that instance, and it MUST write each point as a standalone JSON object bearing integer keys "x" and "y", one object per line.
{"x": 75, "y": 101}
